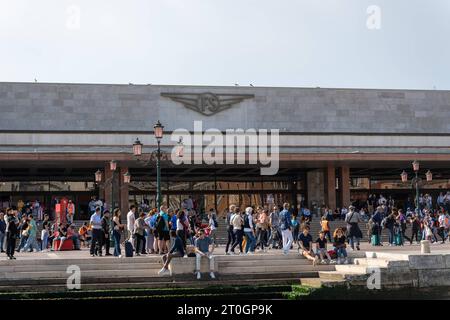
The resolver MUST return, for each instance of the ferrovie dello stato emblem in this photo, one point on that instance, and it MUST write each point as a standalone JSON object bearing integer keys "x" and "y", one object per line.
{"x": 207, "y": 103}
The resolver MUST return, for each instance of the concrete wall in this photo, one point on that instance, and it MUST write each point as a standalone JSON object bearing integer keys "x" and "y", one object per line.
{"x": 40, "y": 106}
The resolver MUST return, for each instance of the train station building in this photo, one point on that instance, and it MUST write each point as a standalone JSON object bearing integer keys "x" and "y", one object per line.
{"x": 334, "y": 146}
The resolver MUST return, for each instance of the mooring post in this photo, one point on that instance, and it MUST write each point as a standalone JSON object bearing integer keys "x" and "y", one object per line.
{"x": 425, "y": 246}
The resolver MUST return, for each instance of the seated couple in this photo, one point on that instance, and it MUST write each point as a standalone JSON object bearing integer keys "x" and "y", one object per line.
{"x": 203, "y": 248}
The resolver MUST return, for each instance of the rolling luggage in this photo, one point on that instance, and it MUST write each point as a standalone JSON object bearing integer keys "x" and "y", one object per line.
{"x": 375, "y": 240}
{"x": 398, "y": 239}
{"x": 128, "y": 249}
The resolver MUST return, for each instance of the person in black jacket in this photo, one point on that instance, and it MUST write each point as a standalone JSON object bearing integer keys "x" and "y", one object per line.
{"x": 106, "y": 225}
{"x": 12, "y": 233}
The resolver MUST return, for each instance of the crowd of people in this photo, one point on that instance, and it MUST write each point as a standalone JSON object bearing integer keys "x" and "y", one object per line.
{"x": 182, "y": 232}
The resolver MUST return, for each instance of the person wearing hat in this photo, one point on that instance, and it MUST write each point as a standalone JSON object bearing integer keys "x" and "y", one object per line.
{"x": 354, "y": 233}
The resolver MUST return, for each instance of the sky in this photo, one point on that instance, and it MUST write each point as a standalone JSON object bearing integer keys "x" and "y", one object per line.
{"x": 397, "y": 44}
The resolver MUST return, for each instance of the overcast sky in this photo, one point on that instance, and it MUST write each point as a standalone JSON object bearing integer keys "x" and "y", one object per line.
{"x": 301, "y": 43}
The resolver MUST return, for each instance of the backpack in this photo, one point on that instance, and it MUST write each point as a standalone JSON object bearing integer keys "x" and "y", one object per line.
{"x": 216, "y": 224}
{"x": 160, "y": 223}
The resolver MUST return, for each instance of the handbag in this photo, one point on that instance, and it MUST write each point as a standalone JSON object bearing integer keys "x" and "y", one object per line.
{"x": 24, "y": 233}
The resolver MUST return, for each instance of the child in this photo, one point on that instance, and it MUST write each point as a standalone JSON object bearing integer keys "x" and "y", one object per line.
{"x": 340, "y": 245}
{"x": 305, "y": 245}
{"x": 325, "y": 225}
{"x": 321, "y": 248}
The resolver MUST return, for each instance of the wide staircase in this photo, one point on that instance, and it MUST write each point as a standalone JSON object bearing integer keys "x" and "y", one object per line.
{"x": 51, "y": 272}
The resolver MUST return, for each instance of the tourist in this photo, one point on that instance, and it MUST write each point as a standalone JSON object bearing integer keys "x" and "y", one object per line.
{"x": 83, "y": 233}
{"x": 91, "y": 205}
{"x": 182, "y": 226}
{"x": 172, "y": 225}
{"x": 212, "y": 225}
{"x": 415, "y": 228}
{"x": 162, "y": 225}
{"x": 70, "y": 212}
{"x": 131, "y": 218}
{"x": 295, "y": 227}
{"x": 74, "y": 236}
{"x": 249, "y": 231}
{"x": 2, "y": 231}
{"x": 230, "y": 233}
{"x": 275, "y": 232}
{"x": 60, "y": 235}
{"x": 286, "y": 228}
{"x": 305, "y": 241}
{"x": 238, "y": 223}
{"x": 45, "y": 232}
{"x": 23, "y": 226}
{"x": 106, "y": 226}
{"x": 155, "y": 231}
{"x": 354, "y": 233}
{"x": 403, "y": 224}
{"x": 321, "y": 249}
{"x": 139, "y": 228}
{"x": 262, "y": 227}
{"x": 443, "y": 225}
{"x": 12, "y": 232}
{"x": 398, "y": 238}
{"x": 388, "y": 223}
{"x": 177, "y": 250}
{"x": 118, "y": 227}
{"x": 204, "y": 247}
{"x": 149, "y": 238}
{"x": 31, "y": 239}
{"x": 96, "y": 224}
{"x": 340, "y": 245}
{"x": 325, "y": 227}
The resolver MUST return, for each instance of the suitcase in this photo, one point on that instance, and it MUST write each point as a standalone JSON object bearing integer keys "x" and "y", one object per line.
{"x": 333, "y": 254}
{"x": 375, "y": 240}
{"x": 128, "y": 249}
{"x": 398, "y": 239}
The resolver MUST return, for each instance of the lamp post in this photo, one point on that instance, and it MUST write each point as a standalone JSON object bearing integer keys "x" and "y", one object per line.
{"x": 137, "y": 151}
{"x": 416, "y": 180}
{"x": 158, "y": 129}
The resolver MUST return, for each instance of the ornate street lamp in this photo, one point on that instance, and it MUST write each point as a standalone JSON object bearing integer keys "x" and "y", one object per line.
{"x": 159, "y": 131}
{"x": 429, "y": 176}
{"x": 113, "y": 165}
{"x": 404, "y": 176}
{"x": 137, "y": 148}
{"x": 126, "y": 177}
{"x": 416, "y": 180}
{"x": 98, "y": 176}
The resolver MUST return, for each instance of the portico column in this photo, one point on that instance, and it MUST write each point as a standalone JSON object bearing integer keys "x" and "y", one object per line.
{"x": 330, "y": 186}
{"x": 344, "y": 172}
{"x": 124, "y": 189}
{"x": 107, "y": 185}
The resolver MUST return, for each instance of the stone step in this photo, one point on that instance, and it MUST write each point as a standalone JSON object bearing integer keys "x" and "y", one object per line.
{"x": 266, "y": 263}
{"x": 204, "y": 282}
{"x": 337, "y": 275}
{"x": 318, "y": 282}
{"x": 261, "y": 257}
{"x": 84, "y": 274}
{"x": 274, "y": 269}
{"x": 153, "y": 278}
{"x": 352, "y": 268}
{"x": 379, "y": 262}
{"x": 387, "y": 255}
{"x": 83, "y": 267}
{"x": 78, "y": 261}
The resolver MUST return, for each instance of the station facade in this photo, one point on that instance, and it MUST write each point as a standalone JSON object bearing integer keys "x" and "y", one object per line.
{"x": 334, "y": 147}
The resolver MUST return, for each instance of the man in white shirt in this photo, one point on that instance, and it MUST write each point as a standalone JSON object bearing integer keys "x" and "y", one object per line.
{"x": 97, "y": 235}
{"x": 131, "y": 218}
